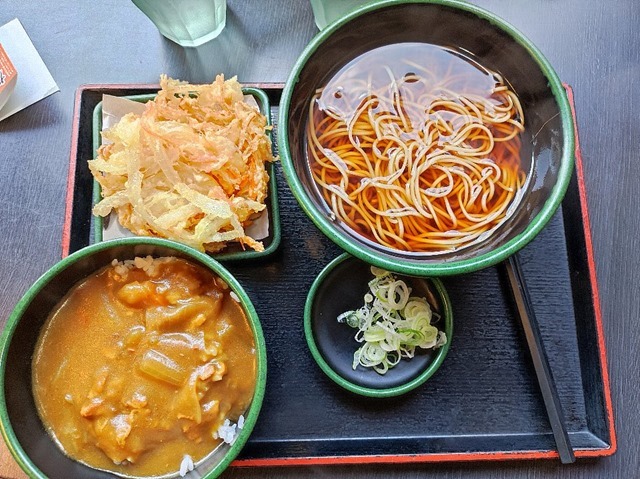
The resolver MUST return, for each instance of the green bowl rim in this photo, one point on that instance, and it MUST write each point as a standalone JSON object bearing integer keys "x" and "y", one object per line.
{"x": 433, "y": 366}
{"x": 6, "y": 428}
{"x": 274, "y": 214}
{"x": 444, "y": 268}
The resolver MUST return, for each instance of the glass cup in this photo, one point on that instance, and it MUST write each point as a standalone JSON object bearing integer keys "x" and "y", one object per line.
{"x": 188, "y": 23}
{"x": 326, "y": 11}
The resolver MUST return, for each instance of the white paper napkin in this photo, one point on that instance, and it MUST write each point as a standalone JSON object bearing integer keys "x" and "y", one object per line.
{"x": 34, "y": 80}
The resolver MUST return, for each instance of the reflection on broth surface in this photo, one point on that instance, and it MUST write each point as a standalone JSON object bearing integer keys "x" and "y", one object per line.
{"x": 416, "y": 147}
{"x": 141, "y": 364}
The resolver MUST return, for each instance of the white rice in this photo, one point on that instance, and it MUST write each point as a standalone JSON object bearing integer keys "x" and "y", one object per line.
{"x": 148, "y": 264}
{"x": 234, "y": 296}
{"x": 186, "y": 465}
{"x": 228, "y": 431}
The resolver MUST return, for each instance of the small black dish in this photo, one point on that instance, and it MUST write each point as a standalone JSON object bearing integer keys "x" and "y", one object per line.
{"x": 341, "y": 287}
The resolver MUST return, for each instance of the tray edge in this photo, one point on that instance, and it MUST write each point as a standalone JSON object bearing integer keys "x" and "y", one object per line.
{"x": 408, "y": 458}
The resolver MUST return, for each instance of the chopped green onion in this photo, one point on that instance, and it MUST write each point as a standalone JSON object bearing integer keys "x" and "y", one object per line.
{"x": 391, "y": 324}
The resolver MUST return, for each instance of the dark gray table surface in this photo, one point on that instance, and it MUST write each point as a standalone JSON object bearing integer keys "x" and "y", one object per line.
{"x": 593, "y": 45}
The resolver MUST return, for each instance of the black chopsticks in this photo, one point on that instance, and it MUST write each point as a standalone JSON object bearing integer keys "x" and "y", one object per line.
{"x": 539, "y": 357}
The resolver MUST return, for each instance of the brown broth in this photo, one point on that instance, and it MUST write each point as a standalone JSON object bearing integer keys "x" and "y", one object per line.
{"x": 133, "y": 369}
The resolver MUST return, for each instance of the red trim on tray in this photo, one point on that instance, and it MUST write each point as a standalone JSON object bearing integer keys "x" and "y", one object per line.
{"x": 142, "y": 86}
{"x": 413, "y": 458}
{"x": 119, "y": 86}
{"x": 602, "y": 347}
{"x": 408, "y": 458}
{"x": 71, "y": 175}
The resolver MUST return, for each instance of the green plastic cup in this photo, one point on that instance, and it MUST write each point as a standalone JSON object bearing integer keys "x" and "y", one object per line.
{"x": 188, "y": 23}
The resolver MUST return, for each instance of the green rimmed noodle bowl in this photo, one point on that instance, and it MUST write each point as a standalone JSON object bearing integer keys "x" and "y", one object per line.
{"x": 340, "y": 287}
{"x": 21, "y": 427}
{"x": 548, "y": 140}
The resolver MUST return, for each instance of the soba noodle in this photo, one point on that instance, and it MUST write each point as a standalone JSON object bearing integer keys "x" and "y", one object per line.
{"x": 418, "y": 162}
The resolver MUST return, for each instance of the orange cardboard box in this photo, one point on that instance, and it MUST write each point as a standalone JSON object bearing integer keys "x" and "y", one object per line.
{"x": 8, "y": 77}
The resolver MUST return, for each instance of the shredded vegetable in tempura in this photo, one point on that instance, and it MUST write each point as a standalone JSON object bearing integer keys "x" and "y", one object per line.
{"x": 190, "y": 168}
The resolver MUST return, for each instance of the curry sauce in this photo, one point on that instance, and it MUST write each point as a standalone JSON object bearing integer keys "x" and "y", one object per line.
{"x": 140, "y": 365}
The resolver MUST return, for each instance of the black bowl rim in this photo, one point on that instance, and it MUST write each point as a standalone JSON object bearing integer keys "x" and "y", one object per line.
{"x": 449, "y": 267}
{"x": 430, "y": 370}
{"x": 14, "y": 446}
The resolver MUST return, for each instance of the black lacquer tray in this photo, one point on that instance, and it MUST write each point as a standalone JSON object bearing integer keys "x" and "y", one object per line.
{"x": 484, "y": 402}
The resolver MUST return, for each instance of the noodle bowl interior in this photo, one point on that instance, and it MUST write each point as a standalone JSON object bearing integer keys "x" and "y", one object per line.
{"x": 417, "y": 148}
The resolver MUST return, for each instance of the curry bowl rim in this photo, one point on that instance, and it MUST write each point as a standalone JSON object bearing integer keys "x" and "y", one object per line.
{"x": 6, "y": 428}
